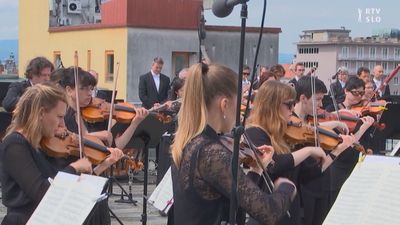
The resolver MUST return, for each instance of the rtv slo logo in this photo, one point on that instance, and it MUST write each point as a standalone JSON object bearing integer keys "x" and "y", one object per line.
{"x": 369, "y": 15}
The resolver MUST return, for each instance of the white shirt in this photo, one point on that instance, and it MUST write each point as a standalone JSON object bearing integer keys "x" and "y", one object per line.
{"x": 342, "y": 83}
{"x": 156, "y": 78}
{"x": 378, "y": 84}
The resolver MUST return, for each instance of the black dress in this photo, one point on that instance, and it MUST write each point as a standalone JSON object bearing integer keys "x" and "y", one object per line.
{"x": 202, "y": 184}
{"x": 24, "y": 173}
{"x": 100, "y": 214}
{"x": 283, "y": 166}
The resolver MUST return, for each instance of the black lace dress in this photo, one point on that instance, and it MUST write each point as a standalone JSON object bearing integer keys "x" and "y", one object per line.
{"x": 24, "y": 173}
{"x": 283, "y": 166}
{"x": 202, "y": 185}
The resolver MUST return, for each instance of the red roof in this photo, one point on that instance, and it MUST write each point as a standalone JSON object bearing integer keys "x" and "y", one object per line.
{"x": 289, "y": 72}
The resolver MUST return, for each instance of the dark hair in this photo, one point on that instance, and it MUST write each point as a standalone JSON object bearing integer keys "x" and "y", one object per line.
{"x": 176, "y": 84}
{"x": 246, "y": 67}
{"x": 303, "y": 87}
{"x": 353, "y": 83}
{"x": 298, "y": 64}
{"x": 36, "y": 65}
{"x": 85, "y": 78}
{"x": 362, "y": 69}
{"x": 158, "y": 60}
{"x": 265, "y": 76}
{"x": 278, "y": 71}
{"x": 56, "y": 75}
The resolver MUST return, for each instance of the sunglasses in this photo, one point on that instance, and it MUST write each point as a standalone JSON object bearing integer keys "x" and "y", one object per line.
{"x": 246, "y": 73}
{"x": 357, "y": 93}
{"x": 290, "y": 104}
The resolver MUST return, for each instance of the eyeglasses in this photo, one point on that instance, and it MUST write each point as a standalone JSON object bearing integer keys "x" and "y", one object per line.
{"x": 246, "y": 73}
{"x": 357, "y": 93}
{"x": 290, "y": 104}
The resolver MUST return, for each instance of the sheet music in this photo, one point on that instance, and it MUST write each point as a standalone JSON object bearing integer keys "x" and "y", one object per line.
{"x": 370, "y": 196}
{"x": 162, "y": 196}
{"x": 69, "y": 200}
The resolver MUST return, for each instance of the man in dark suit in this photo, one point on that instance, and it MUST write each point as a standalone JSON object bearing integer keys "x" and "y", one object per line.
{"x": 153, "y": 86}
{"x": 37, "y": 71}
{"x": 298, "y": 73}
{"x": 378, "y": 80}
{"x": 338, "y": 86}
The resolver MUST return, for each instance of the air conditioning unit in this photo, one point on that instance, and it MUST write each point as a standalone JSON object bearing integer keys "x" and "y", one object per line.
{"x": 74, "y": 7}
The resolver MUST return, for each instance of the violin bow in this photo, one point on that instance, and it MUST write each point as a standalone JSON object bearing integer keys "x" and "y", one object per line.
{"x": 78, "y": 111}
{"x": 315, "y": 114}
{"x": 387, "y": 80}
{"x": 112, "y": 100}
{"x": 332, "y": 95}
{"x": 267, "y": 179}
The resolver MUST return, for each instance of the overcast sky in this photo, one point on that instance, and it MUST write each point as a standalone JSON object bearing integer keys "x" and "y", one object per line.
{"x": 292, "y": 16}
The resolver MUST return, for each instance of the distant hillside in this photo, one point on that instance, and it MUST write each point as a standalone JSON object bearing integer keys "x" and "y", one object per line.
{"x": 7, "y": 47}
{"x": 285, "y": 58}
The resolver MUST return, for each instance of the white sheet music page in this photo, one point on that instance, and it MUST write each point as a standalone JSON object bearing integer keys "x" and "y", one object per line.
{"x": 162, "y": 196}
{"x": 370, "y": 196}
{"x": 69, "y": 200}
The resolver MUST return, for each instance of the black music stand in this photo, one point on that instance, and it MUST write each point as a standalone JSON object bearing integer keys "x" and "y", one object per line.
{"x": 147, "y": 135}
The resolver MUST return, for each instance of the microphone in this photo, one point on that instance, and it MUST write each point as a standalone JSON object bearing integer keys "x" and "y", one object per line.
{"x": 222, "y": 8}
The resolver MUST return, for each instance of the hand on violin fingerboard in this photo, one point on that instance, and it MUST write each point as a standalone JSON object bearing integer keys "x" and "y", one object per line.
{"x": 141, "y": 114}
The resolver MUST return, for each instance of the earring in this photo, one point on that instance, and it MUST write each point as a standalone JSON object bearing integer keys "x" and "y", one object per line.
{"x": 224, "y": 117}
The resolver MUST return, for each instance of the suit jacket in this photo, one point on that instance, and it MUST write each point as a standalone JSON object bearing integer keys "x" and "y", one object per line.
{"x": 338, "y": 91}
{"x": 385, "y": 92}
{"x": 148, "y": 93}
{"x": 15, "y": 91}
{"x": 293, "y": 81}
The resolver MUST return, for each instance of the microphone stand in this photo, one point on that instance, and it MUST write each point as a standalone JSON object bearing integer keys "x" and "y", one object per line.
{"x": 238, "y": 129}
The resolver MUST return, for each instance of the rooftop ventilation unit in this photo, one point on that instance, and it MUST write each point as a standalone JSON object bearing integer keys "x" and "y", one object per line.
{"x": 74, "y": 7}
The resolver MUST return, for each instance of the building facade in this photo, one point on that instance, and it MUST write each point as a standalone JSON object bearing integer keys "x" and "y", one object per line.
{"x": 328, "y": 49}
{"x": 131, "y": 33}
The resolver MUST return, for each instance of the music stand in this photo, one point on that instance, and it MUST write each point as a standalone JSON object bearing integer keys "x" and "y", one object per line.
{"x": 147, "y": 135}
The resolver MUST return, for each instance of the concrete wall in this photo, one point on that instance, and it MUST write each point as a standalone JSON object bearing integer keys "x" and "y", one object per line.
{"x": 145, "y": 44}
{"x": 223, "y": 47}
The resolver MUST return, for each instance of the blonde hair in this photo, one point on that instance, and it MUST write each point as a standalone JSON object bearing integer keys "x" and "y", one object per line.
{"x": 266, "y": 112}
{"x": 202, "y": 85}
{"x": 36, "y": 100}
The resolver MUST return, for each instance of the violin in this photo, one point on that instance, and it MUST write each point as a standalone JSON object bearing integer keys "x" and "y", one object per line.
{"x": 66, "y": 144}
{"x": 299, "y": 133}
{"x": 349, "y": 119}
{"x": 99, "y": 110}
{"x": 370, "y": 108}
{"x": 246, "y": 155}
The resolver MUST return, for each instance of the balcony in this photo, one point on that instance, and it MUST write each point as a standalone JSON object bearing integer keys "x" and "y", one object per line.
{"x": 367, "y": 58}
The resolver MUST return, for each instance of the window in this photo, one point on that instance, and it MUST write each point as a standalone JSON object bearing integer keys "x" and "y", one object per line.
{"x": 180, "y": 60}
{"x": 57, "y": 60}
{"x": 358, "y": 65}
{"x": 396, "y": 53}
{"x": 346, "y": 64}
{"x": 396, "y": 80}
{"x": 360, "y": 52}
{"x": 372, "y": 52}
{"x": 109, "y": 66}
{"x": 385, "y": 67}
{"x": 371, "y": 65}
{"x": 89, "y": 59}
{"x": 345, "y": 52}
{"x": 385, "y": 53}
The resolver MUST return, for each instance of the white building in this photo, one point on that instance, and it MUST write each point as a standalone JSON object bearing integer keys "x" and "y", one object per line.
{"x": 328, "y": 49}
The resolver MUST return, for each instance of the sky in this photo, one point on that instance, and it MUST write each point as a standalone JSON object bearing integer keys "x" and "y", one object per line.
{"x": 292, "y": 16}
